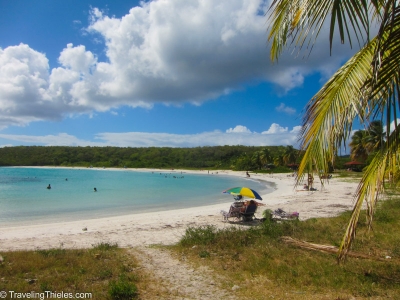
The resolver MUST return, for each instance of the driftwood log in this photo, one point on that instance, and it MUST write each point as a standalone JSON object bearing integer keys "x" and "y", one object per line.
{"x": 327, "y": 248}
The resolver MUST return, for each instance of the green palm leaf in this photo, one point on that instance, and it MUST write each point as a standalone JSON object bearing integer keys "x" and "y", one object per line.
{"x": 302, "y": 20}
{"x": 330, "y": 113}
{"x": 365, "y": 88}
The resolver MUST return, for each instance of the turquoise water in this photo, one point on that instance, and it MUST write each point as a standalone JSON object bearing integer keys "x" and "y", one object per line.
{"x": 24, "y": 198}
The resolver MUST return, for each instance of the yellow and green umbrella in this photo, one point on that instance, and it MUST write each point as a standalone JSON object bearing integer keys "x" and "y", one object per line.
{"x": 243, "y": 191}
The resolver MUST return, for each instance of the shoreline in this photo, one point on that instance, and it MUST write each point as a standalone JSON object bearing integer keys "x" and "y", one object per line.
{"x": 265, "y": 188}
{"x": 167, "y": 227}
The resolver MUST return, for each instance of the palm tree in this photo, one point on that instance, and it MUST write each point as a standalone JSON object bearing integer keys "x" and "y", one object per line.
{"x": 278, "y": 160}
{"x": 257, "y": 159}
{"x": 374, "y": 139}
{"x": 357, "y": 145}
{"x": 266, "y": 156}
{"x": 290, "y": 155}
{"x": 365, "y": 87}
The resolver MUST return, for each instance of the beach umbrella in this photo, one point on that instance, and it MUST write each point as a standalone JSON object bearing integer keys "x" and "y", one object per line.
{"x": 243, "y": 191}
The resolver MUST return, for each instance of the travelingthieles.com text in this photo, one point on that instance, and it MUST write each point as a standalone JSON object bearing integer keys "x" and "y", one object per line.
{"x": 44, "y": 295}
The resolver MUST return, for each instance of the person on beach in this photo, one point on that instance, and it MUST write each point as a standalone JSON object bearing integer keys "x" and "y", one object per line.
{"x": 310, "y": 180}
{"x": 247, "y": 174}
{"x": 248, "y": 203}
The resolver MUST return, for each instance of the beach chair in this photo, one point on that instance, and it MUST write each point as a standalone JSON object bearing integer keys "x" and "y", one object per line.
{"x": 234, "y": 212}
{"x": 248, "y": 214}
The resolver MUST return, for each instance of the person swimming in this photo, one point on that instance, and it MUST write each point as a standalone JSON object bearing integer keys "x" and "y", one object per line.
{"x": 95, "y": 189}
{"x": 49, "y": 187}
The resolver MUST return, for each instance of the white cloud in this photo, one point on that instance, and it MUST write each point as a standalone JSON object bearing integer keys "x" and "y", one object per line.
{"x": 238, "y": 128}
{"x": 159, "y": 52}
{"x": 296, "y": 129}
{"x": 62, "y": 139}
{"x": 286, "y": 109}
{"x": 290, "y": 77}
{"x": 6, "y": 145}
{"x": 77, "y": 59}
{"x": 242, "y": 136}
{"x": 275, "y": 128}
{"x": 276, "y": 136}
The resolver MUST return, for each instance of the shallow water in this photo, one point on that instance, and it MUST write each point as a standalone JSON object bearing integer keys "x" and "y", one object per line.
{"x": 24, "y": 198}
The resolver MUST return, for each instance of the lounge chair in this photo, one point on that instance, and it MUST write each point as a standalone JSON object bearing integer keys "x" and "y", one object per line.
{"x": 235, "y": 212}
{"x": 248, "y": 214}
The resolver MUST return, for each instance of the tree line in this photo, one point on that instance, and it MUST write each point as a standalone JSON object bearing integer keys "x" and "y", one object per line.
{"x": 217, "y": 157}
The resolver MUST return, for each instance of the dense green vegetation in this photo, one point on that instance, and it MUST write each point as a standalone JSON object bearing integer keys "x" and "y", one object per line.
{"x": 263, "y": 266}
{"x": 218, "y": 157}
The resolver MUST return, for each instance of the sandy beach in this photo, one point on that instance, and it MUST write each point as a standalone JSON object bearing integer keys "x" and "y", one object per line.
{"x": 167, "y": 227}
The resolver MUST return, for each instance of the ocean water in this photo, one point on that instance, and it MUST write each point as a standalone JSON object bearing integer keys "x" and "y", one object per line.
{"x": 24, "y": 198}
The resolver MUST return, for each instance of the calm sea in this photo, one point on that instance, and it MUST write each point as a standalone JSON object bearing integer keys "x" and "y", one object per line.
{"x": 24, "y": 198}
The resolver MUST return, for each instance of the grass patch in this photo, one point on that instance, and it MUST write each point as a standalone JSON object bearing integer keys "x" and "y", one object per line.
{"x": 262, "y": 265}
{"x": 105, "y": 246}
{"x": 105, "y": 271}
{"x": 122, "y": 289}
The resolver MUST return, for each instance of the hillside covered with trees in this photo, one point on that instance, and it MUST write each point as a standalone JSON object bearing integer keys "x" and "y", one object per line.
{"x": 217, "y": 157}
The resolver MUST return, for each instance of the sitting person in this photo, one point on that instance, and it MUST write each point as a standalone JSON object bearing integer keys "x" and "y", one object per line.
{"x": 305, "y": 187}
{"x": 234, "y": 210}
{"x": 248, "y": 203}
{"x": 236, "y": 206}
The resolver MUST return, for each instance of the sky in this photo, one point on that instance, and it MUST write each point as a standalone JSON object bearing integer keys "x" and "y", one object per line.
{"x": 170, "y": 73}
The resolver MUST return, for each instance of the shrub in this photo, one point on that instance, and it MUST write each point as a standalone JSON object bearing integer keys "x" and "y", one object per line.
{"x": 105, "y": 246}
{"x": 122, "y": 289}
{"x": 202, "y": 235}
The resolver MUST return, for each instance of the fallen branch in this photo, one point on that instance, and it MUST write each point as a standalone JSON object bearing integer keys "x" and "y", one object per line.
{"x": 327, "y": 248}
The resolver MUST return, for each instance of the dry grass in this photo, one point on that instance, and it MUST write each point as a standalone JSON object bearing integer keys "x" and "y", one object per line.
{"x": 105, "y": 271}
{"x": 265, "y": 267}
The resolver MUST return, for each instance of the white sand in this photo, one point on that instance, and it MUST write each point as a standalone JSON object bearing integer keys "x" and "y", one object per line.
{"x": 167, "y": 227}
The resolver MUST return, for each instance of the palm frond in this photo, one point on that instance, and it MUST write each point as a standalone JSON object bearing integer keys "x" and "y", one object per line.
{"x": 297, "y": 21}
{"x": 386, "y": 67}
{"x": 369, "y": 189}
{"x": 366, "y": 87}
{"x": 330, "y": 113}
{"x": 371, "y": 186}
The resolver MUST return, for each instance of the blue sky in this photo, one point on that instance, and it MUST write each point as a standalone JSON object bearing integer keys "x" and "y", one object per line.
{"x": 179, "y": 73}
